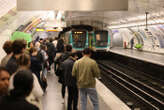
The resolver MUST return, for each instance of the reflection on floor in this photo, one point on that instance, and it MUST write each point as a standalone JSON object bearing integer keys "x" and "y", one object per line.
{"x": 53, "y": 100}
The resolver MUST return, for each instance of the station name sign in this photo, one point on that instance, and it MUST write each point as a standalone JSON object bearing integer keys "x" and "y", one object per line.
{"x": 73, "y": 5}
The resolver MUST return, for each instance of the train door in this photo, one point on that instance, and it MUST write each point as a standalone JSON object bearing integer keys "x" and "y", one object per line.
{"x": 91, "y": 39}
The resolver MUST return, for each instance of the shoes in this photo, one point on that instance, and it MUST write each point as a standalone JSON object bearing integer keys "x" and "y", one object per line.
{"x": 63, "y": 102}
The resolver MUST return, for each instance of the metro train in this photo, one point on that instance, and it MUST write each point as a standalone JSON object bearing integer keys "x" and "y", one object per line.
{"x": 79, "y": 39}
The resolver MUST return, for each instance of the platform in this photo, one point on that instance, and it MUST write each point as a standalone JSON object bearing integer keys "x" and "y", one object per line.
{"x": 53, "y": 100}
{"x": 140, "y": 55}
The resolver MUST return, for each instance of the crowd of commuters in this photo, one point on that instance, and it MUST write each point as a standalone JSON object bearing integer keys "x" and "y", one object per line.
{"x": 23, "y": 74}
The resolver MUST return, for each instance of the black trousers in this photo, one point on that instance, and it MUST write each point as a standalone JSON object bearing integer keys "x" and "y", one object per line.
{"x": 63, "y": 90}
{"x": 72, "y": 98}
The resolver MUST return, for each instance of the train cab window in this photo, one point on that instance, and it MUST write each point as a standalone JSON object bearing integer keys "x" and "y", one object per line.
{"x": 79, "y": 39}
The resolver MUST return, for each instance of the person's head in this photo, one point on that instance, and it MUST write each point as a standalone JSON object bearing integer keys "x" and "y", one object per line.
{"x": 33, "y": 51}
{"x": 43, "y": 47}
{"x": 37, "y": 45}
{"x": 24, "y": 61}
{"x": 56, "y": 38}
{"x": 30, "y": 44}
{"x": 4, "y": 81}
{"x": 18, "y": 46}
{"x": 87, "y": 52}
{"x": 23, "y": 83}
{"x": 7, "y": 47}
{"x": 41, "y": 40}
{"x": 74, "y": 55}
{"x": 51, "y": 39}
{"x": 68, "y": 48}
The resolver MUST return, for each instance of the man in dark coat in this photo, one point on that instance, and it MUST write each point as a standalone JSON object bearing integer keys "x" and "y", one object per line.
{"x": 61, "y": 59}
{"x": 70, "y": 81}
{"x": 51, "y": 51}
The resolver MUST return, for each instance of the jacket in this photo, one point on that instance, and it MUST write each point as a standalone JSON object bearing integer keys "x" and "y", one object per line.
{"x": 15, "y": 103}
{"x": 12, "y": 65}
{"x": 36, "y": 93}
{"x": 85, "y": 71}
{"x": 67, "y": 66}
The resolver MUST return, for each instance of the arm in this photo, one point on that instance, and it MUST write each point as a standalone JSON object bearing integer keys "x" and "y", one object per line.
{"x": 96, "y": 70}
{"x": 37, "y": 91}
{"x": 74, "y": 70}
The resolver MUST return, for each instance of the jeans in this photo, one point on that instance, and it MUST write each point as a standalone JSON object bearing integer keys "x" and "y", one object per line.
{"x": 91, "y": 92}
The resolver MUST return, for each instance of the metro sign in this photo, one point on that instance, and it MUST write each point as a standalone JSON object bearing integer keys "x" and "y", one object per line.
{"x": 72, "y": 5}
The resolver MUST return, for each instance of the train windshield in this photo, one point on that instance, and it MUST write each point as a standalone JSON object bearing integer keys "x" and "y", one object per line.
{"x": 79, "y": 39}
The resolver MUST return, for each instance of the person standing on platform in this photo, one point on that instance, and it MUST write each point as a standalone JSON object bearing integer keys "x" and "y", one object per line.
{"x": 35, "y": 96}
{"x": 62, "y": 58}
{"x": 70, "y": 81}
{"x": 132, "y": 43}
{"x": 23, "y": 85}
{"x": 18, "y": 47}
{"x": 51, "y": 51}
{"x": 7, "y": 47}
{"x": 4, "y": 81}
{"x": 85, "y": 70}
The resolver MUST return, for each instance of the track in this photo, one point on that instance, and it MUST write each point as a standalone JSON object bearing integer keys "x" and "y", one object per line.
{"x": 150, "y": 96}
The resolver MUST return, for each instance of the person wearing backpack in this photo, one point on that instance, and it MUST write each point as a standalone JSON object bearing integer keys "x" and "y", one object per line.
{"x": 43, "y": 57}
{"x": 51, "y": 51}
{"x": 59, "y": 72}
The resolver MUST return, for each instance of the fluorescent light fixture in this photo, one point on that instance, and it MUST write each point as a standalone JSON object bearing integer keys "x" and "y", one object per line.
{"x": 59, "y": 15}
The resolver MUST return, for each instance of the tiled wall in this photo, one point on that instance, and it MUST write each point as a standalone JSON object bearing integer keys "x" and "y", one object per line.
{"x": 6, "y": 5}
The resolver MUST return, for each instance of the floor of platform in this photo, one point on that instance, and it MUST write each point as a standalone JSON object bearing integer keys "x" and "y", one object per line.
{"x": 141, "y": 55}
{"x": 53, "y": 100}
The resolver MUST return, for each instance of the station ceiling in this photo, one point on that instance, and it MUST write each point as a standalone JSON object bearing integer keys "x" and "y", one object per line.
{"x": 137, "y": 9}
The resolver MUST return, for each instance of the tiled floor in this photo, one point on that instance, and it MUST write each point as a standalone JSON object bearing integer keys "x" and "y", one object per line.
{"x": 53, "y": 100}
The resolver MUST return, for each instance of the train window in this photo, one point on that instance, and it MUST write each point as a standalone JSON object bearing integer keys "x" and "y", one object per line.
{"x": 101, "y": 38}
{"x": 98, "y": 37}
{"x": 79, "y": 39}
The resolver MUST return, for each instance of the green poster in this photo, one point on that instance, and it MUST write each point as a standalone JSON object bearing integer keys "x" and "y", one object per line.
{"x": 21, "y": 35}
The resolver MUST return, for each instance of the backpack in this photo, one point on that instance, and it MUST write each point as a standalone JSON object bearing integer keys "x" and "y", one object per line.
{"x": 40, "y": 56}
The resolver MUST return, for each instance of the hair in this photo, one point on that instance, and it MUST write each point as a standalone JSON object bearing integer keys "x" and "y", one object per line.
{"x": 29, "y": 44}
{"x": 43, "y": 47}
{"x": 3, "y": 69}
{"x": 73, "y": 54}
{"x": 33, "y": 49}
{"x": 37, "y": 44}
{"x": 23, "y": 60}
{"x": 7, "y": 47}
{"x": 56, "y": 38}
{"x": 87, "y": 51}
{"x": 18, "y": 45}
{"x": 23, "y": 83}
{"x": 60, "y": 45}
{"x": 51, "y": 39}
{"x": 68, "y": 48}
